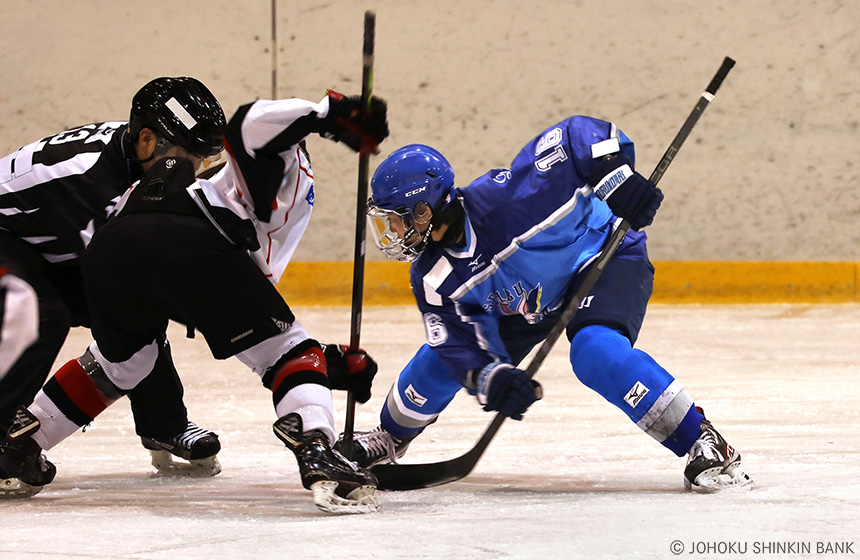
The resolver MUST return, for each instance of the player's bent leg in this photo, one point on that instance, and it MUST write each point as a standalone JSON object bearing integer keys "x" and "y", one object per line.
{"x": 72, "y": 398}
{"x": 303, "y": 402}
{"x": 604, "y": 360}
{"x": 422, "y": 391}
{"x": 78, "y": 392}
{"x": 25, "y": 375}
{"x": 177, "y": 446}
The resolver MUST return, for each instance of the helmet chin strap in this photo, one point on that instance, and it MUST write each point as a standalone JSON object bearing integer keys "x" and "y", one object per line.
{"x": 454, "y": 216}
{"x": 162, "y": 145}
{"x": 147, "y": 160}
{"x": 425, "y": 239}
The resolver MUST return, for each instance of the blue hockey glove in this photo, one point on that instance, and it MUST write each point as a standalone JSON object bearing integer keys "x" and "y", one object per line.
{"x": 504, "y": 388}
{"x": 343, "y": 124}
{"x": 629, "y": 195}
{"x": 351, "y": 371}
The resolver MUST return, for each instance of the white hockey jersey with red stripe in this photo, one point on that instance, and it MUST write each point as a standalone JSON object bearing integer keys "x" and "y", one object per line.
{"x": 263, "y": 197}
{"x": 268, "y": 179}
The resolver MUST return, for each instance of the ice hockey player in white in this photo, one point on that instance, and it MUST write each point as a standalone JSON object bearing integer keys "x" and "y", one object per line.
{"x": 206, "y": 253}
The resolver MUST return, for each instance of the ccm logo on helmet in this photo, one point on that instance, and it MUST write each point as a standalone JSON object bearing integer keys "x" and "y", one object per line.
{"x": 415, "y": 191}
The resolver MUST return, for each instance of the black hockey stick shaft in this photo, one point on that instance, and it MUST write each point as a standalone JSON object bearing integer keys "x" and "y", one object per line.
{"x": 411, "y": 477}
{"x": 360, "y": 223}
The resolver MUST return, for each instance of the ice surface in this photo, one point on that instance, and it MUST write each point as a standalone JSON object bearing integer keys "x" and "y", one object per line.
{"x": 575, "y": 479}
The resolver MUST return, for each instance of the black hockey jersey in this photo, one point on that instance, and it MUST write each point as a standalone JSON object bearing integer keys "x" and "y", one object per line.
{"x": 54, "y": 193}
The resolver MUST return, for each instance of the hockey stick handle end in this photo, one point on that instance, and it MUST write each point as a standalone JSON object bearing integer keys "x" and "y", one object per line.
{"x": 369, "y": 32}
{"x": 721, "y": 74}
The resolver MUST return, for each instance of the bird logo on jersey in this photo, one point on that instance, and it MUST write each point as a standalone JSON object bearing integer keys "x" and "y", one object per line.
{"x": 529, "y": 306}
{"x": 527, "y": 302}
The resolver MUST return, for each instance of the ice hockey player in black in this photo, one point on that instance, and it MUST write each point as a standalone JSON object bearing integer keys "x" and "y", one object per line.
{"x": 54, "y": 194}
{"x": 206, "y": 253}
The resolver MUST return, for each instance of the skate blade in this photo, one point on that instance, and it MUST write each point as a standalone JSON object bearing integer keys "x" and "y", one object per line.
{"x": 363, "y": 499}
{"x": 732, "y": 477}
{"x": 15, "y": 489}
{"x": 195, "y": 468}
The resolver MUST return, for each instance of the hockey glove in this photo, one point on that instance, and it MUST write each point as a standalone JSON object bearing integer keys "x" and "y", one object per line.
{"x": 344, "y": 122}
{"x": 350, "y": 371}
{"x": 629, "y": 195}
{"x": 504, "y": 388}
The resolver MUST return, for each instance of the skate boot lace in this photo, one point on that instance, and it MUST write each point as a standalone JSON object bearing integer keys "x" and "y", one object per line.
{"x": 708, "y": 445}
{"x": 352, "y": 464}
{"x": 378, "y": 443}
{"x": 192, "y": 433}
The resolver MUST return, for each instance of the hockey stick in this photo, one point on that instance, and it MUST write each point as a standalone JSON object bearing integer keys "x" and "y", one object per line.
{"x": 360, "y": 223}
{"x": 411, "y": 477}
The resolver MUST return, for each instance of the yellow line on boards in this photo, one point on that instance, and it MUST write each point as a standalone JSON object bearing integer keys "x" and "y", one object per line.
{"x": 706, "y": 282}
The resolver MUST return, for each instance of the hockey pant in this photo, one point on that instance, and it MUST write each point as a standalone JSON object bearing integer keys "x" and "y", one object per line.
{"x": 189, "y": 262}
{"x": 157, "y": 405}
{"x": 84, "y": 387}
{"x": 602, "y": 358}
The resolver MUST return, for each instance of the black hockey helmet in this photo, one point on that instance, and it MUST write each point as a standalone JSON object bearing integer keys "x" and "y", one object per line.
{"x": 181, "y": 110}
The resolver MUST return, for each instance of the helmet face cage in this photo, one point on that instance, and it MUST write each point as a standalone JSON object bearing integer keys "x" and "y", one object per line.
{"x": 183, "y": 112}
{"x": 409, "y": 176}
{"x": 407, "y": 247}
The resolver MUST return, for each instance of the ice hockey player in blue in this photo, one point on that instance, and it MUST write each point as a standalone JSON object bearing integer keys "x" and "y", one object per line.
{"x": 493, "y": 266}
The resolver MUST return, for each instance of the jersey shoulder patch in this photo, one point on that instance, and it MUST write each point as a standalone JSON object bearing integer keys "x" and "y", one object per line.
{"x": 433, "y": 280}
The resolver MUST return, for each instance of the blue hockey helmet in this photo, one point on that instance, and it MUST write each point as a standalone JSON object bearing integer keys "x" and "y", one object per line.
{"x": 408, "y": 186}
{"x": 409, "y": 175}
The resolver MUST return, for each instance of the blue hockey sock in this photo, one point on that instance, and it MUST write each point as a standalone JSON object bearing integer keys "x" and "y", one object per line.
{"x": 605, "y": 361}
{"x": 685, "y": 435}
{"x": 422, "y": 390}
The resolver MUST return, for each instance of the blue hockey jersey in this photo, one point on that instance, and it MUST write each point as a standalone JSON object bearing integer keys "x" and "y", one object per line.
{"x": 529, "y": 230}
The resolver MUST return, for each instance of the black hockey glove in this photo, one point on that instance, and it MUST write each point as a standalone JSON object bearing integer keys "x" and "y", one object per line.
{"x": 350, "y": 371}
{"x": 506, "y": 389}
{"x": 629, "y": 195}
{"x": 344, "y": 123}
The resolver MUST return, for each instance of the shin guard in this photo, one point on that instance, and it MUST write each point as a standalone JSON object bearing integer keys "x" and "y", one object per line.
{"x": 71, "y": 399}
{"x": 299, "y": 383}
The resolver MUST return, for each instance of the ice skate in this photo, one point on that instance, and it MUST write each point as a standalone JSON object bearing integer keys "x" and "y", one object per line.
{"x": 374, "y": 447}
{"x": 713, "y": 464}
{"x": 339, "y": 486}
{"x": 197, "y": 446}
{"x": 24, "y": 470}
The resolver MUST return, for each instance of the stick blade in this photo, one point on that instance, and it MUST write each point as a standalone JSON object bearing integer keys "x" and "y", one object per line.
{"x": 425, "y": 475}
